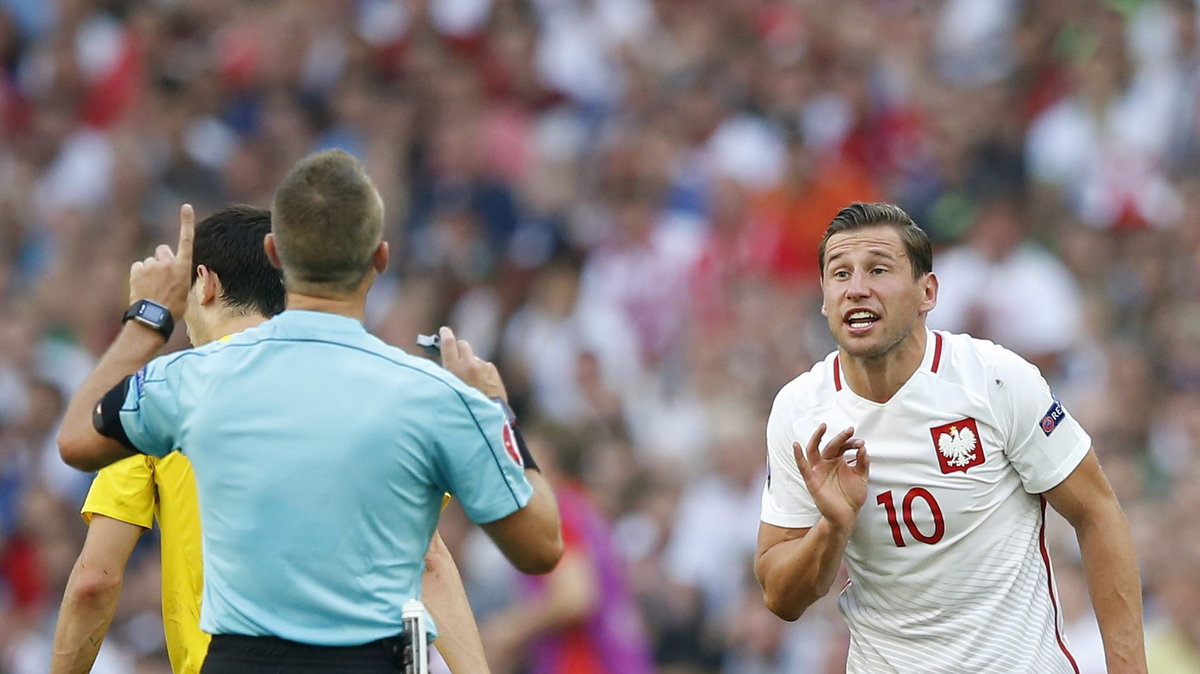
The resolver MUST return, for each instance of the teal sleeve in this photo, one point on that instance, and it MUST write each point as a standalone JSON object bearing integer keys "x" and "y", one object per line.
{"x": 150, "y": 414}
{"x": 478, "y": 458}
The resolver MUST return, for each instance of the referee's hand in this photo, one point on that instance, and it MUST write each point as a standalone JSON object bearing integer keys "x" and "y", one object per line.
{"x": 166, "y": 276}
{"x": 458, "y": 357}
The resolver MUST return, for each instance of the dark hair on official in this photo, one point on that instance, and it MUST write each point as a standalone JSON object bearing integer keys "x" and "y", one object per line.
{"x": 327, "y": 219}
{"x": 230, "y": 243}
{"x": 860, "y": 215}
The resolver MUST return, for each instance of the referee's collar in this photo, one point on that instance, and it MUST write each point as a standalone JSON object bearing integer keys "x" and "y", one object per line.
{"x": 323, "y": 320}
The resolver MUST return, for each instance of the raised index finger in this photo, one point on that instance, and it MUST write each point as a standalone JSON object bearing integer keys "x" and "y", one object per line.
{"x": 187, "y": 232}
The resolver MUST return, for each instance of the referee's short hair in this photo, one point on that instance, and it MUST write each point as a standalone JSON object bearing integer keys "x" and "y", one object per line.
{"x": 327, "y": 218}
{"x": 230, "y": 243}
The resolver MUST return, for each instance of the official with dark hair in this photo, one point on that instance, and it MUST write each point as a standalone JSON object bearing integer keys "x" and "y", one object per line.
{"x": 321, "y": 454}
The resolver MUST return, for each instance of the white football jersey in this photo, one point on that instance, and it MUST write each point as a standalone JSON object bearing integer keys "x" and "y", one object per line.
{"x": 948, "y": 565}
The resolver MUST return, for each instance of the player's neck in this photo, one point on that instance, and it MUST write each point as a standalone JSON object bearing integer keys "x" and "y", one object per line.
{"x": 878, "y": 378}
{"x": 233, "y": 324}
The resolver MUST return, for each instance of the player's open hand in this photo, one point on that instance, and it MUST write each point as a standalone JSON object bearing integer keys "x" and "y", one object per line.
{"x": 458, "y": 357}
{"x": 166, "y": 276}
{"x": 838, "y": 485}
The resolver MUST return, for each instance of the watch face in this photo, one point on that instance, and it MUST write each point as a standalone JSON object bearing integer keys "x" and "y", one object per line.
{"x": 152, "y": 313}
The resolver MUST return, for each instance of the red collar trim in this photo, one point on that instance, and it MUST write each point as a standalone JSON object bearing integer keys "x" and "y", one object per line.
{"x": 937, "y": 362}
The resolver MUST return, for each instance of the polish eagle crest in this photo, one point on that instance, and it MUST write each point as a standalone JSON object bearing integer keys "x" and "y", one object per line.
{"x": 958, "y": 446}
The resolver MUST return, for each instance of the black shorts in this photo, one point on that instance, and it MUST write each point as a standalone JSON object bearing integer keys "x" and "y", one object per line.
{"x": 237, "y": 654}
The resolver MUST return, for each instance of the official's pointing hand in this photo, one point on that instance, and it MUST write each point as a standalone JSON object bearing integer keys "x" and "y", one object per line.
{"x": 166, "y": 276}
{"x": 458, "y": 357}
{"x": 838, "y": 486}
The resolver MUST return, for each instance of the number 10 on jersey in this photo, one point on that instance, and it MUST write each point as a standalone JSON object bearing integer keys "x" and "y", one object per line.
{"x": 889, "y": 504}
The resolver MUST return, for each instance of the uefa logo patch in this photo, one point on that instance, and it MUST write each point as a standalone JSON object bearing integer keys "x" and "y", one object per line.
{"x": 1054, "y": 415}
{"x": 958, "y": 446}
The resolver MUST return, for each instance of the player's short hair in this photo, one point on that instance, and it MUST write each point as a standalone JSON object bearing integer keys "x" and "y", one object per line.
{"x": 327, "y": 219}
{"x": 230, "y": 243}
{"x": 861, "y": 215}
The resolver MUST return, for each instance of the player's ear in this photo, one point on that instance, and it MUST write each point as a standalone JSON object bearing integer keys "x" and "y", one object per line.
{"x": 821, "y": 284}
{"x": 209, "y": 285}
{"x": 272, "y": 254}
{"x": 929, "y": 290}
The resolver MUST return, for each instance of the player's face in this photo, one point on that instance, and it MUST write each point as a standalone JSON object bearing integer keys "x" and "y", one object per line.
{"x": 871, "y": 300}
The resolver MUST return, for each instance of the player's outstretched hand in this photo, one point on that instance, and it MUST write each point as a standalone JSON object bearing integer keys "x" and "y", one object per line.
{"x": 166, "y": 276}
{"x": 838, "y": 486}
{"x": 458, "y": 357}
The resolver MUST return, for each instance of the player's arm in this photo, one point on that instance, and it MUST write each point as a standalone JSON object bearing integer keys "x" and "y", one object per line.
{"x": 458, "y": 636}
{"x": 796, "y": 567}
{"x": 163, "y": 279}
{"x": 1087, "y": 501}
{"x": 91, "y": 595}
{"x": 531, "y": 537}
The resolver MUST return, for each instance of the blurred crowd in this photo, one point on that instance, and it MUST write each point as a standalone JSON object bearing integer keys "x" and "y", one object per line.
{"x": 619, "y": 201}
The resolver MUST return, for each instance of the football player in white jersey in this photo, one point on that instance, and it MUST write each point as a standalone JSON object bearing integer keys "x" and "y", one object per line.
{"x": 934, "y": 494}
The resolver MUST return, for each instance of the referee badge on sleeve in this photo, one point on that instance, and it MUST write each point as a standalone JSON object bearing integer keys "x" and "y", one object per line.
{"x": 510, "y": 444}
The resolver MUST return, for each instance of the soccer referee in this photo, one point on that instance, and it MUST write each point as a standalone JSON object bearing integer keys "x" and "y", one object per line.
{"x": 320, "y": 453}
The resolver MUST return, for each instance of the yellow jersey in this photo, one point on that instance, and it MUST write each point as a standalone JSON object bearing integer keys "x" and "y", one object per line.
{"x": 138, "y": 490}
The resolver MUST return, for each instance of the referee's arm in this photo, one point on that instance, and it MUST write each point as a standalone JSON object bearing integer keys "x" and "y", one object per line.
{"x": 164, "y": 279}
{"x": 80, "y": 443}
{"x": 531, "y": 538}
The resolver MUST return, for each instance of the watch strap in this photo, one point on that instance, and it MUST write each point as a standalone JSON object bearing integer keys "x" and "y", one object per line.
{"x": 152, "y": 315}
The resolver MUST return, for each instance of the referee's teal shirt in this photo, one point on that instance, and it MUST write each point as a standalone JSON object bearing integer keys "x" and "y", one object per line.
{"x": 321, "y": 457}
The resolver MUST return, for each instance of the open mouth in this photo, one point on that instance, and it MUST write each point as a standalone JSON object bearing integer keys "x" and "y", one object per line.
{"x": 861, "y": 319}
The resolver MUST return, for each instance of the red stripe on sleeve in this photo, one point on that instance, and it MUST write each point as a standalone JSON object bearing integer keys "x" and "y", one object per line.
{"x": 1050, "y": 587}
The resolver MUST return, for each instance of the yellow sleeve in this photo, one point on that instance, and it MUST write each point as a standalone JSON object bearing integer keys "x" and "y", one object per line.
{"x": 123, "y": 491}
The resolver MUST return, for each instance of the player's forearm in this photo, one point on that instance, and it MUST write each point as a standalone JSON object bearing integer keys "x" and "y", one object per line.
{"x": 795, "y": 573}
{"x": 458, "y": 638}
{"x": 1113, "y": 582}
{"x": 83, "y": 620}
{"x": 78, "y": 442}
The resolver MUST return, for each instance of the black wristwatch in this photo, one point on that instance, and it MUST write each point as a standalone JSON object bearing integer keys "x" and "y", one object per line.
{"x": 152, "y": 315}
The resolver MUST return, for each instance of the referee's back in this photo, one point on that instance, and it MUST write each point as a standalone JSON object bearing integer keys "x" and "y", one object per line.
{"x": 321, "y": 457}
